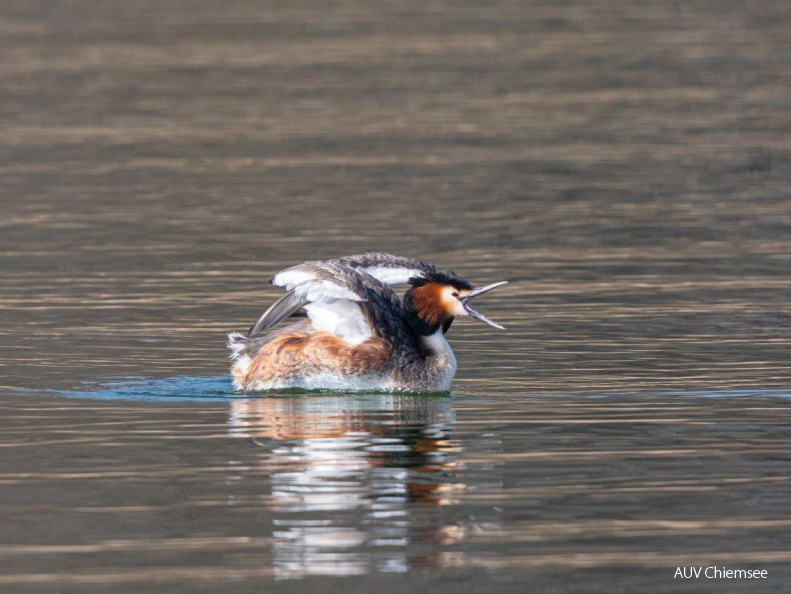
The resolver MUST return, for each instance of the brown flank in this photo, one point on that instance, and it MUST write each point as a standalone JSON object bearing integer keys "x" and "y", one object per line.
{"x": 295, "y": 354}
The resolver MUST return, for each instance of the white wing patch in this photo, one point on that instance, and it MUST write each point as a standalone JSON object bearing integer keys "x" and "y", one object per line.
{"x": 290, "y": 278}
{"x": 325, "y": 291}
{"x": 340, "y": 317}
{"x": 391, "y": 276}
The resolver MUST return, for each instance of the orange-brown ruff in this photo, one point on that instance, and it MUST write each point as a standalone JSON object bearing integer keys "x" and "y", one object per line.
{"x": 358, "y": 334}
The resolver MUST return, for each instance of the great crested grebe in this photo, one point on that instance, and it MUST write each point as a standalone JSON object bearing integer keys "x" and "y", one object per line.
{"x": 359, "y": 335}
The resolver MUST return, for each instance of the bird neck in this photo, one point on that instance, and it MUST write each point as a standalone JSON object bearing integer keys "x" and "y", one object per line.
{"x": 439, "y": 352}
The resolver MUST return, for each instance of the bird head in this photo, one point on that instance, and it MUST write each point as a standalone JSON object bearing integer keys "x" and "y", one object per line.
{"x": 435, "y": 299}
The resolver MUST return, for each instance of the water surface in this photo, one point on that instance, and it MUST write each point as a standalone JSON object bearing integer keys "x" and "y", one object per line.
{"x": 627, "y": 170}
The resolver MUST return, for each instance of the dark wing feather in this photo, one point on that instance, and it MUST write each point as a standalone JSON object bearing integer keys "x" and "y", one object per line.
{"x": 389, "y": 269}
{"x": 288, "y": 305}
{"x": 369, "y": 259}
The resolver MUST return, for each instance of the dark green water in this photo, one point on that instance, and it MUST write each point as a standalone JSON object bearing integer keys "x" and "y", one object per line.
{"x": 625, "y": 167}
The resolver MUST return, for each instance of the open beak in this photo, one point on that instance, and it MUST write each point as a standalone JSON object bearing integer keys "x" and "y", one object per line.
{"x": 465, "y": 301}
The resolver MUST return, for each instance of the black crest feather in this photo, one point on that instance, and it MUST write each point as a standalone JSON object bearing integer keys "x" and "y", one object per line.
{"x": 443, "y": 278}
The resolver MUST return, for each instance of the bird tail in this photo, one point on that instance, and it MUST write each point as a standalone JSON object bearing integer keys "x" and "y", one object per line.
{"x": 237, "y": 343}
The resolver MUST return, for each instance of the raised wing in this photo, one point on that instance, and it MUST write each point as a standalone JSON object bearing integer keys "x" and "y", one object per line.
{"x": 311, "y": 282}
{"x": 386, "y": 268}
{"x": 338, "y": 298}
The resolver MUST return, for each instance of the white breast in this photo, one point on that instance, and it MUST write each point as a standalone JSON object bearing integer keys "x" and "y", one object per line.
{"x": 444, "y": 360}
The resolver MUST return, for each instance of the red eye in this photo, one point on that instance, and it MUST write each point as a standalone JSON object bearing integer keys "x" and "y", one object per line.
{"x": 455, "y": 294}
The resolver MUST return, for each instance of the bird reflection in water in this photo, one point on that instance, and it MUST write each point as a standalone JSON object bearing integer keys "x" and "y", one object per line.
{"x": 348, "y": 476}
